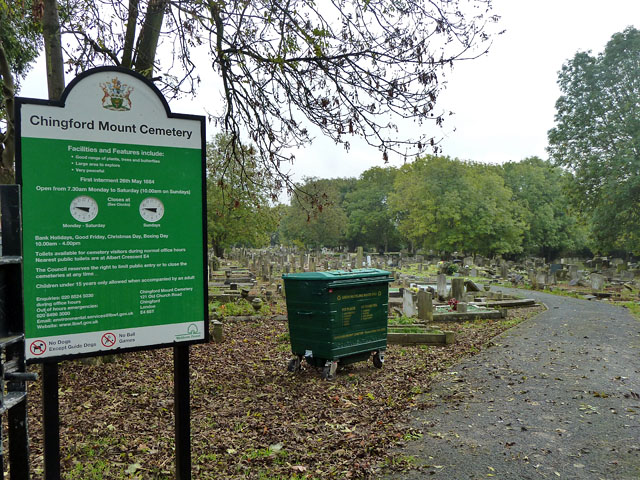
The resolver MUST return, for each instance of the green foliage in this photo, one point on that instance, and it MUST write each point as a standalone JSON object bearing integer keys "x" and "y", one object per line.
{"x": 450, "y": 268}
{"x": 539, "y": 191}
{"x": 371, "y": 221}
{"x": 448, "y": 205}
{"x": 238, "y": 212}
{"x": 20, "y": 35}
{"x": 239, "y": 308}
{"x": 596, "y": 137}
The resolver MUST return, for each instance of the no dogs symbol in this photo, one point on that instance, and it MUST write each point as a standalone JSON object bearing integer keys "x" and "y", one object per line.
{"x": 38, "y": 347}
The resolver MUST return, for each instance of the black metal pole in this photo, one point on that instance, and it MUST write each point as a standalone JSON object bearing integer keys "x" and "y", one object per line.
{"x": 18, "y": 441}
{"x": 51, "y": 420}
{"x": 182, "y": 411}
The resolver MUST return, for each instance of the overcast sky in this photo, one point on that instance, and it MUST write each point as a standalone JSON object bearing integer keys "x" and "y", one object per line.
{"x": 503, "y": 103}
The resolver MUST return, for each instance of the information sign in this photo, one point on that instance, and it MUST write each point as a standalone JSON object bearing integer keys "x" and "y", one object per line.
{"x": 114, "y": 232}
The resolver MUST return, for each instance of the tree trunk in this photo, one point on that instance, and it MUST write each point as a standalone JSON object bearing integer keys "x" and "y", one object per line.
{"x": 53, "y": 49}
{"x": 148, "y": 40}
{"x": 132, "y": 23}
{"x": 8, "y": 139}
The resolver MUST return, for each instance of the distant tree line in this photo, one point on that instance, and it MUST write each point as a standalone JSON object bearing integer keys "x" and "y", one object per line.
{"x": 444, "y": 205}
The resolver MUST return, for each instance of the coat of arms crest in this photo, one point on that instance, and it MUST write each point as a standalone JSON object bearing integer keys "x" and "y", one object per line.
{"x": 116, "y": 95}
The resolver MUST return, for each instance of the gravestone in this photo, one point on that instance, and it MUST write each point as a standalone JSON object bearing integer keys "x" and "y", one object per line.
{"x": 457, "y": 288}
{"x": 597, "y": 282}
{"x": 573, "y": 272}
{"x": 441, "y": 288}
{"x": 425, "y": 306}
{"x": 627, "y": 276}
{"x": 504, "y": 270}
{"x": 359, "y": 252}
{"x": 555, "y": 267}
{"x": 409, "y": 303}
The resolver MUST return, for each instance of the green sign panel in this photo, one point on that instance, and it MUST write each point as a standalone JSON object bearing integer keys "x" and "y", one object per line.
{"x": 113, "y": 231}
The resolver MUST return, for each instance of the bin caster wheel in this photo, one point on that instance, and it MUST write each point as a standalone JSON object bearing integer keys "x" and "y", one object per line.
{"x": 378, "y": 359}
{"x": 294, "y": 365}
{"x": 329, "y": 371}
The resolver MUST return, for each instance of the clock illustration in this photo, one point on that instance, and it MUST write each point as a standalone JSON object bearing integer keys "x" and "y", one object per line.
{"x": 151, "y": 209}
{"x": 83, "y": 208}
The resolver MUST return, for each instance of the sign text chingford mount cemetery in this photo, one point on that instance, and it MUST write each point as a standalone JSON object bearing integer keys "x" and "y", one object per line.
{"x": 113, "y": 208}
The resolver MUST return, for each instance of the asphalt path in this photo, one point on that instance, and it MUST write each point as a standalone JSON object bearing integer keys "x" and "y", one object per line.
{"x": 557, "y": 396}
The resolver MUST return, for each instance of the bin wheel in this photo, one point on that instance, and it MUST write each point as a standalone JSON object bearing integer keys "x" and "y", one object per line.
{"x": 294, "y": 365}
{"x": 378, "y": 359}
{"x": 329, "y": 371}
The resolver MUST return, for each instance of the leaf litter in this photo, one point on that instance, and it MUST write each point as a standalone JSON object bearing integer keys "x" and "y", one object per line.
{"x": 250, "y": 418}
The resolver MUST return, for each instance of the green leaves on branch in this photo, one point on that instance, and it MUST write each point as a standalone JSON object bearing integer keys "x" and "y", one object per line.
{"x": 447, "y": 205}
{"x": 238, "y": 208}
{"x": 597, "y": 138}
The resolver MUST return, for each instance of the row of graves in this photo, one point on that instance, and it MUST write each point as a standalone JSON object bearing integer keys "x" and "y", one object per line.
{"x": 422, "y": 303}
{"x": 420, "y": 306}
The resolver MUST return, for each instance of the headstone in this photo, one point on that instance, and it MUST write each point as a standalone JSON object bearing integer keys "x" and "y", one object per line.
{"x": 627, "y": 276}
{"x": 471, "y": 286}
{"x": 555, "y": 267}
{"x": 425, "y": 306}
{"x": 597, "y": 282}
{"x": 573, "y": 272}
{"x": 408, "y": 303}
{"x": 468, "y": 261}
{"x": 504, "y": 270}
{"x": 461, "y": 307}
{"x": 457, "y": 288}
{"x": 442, "y": 286}
{"x": 359, "y": 257}
{"x": 473, "y": 272}
{"x": 541, "y": 279}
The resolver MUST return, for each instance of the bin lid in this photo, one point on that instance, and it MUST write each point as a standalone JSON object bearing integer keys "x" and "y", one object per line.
{"x": 333, "y": 275}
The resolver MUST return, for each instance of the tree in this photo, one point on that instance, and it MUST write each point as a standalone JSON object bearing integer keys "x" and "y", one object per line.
{"x": 448, "y": 205}
{"x": 308, "y": 228}
{"x": 371, "y": 221}
{"x": 539, "y": 190}
{"x": 597, "y": 138}
{"x": 346, "y": 68}
{"x": 238, "y": 213}
{"x": 19, "y": 43}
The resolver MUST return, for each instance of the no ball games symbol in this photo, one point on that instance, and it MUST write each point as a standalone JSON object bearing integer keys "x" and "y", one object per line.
{"x": 38, "y": 347}
{"x": 108, "y": 340}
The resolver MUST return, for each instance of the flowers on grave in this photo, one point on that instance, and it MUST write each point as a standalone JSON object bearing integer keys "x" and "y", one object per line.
{"x": 453, "y": 304}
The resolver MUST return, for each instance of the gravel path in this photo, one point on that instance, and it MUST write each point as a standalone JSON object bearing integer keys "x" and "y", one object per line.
{"x": 558, "y": 396}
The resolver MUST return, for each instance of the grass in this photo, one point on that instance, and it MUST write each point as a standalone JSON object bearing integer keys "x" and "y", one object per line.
{"x": 240, "y": 307}
{"x": 634, "y": 308}
{"x": 563, "y": 293}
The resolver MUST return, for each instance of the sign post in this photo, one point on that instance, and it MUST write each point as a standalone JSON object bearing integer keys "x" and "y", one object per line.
{"x": 114, "y": 223}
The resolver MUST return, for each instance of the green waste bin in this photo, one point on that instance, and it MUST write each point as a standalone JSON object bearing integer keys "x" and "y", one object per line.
{"x": 337, "y": 317}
